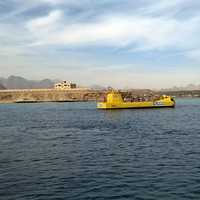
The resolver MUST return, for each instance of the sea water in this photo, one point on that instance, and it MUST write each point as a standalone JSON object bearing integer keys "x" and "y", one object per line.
{"x": 74, "y": 151}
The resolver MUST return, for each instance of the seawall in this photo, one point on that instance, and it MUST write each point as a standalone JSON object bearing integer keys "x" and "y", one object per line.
{"x": 48, "y": 95}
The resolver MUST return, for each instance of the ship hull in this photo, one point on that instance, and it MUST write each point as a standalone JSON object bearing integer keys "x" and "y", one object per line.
{"x": 135, "y": 105}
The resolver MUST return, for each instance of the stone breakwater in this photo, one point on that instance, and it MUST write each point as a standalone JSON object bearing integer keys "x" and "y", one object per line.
{"x": 48, "y": 95}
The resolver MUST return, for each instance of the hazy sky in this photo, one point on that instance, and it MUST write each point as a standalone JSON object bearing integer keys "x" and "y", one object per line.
{"x": 122, "y": 43}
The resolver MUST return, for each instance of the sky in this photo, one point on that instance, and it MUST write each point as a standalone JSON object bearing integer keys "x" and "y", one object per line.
{"x": 118, "y": 43}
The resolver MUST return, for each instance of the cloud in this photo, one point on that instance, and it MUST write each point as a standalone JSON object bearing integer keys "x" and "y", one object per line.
{"x": 162, "y": 7}
{"x": 134, "y": 31}
{"x": 110, "y": 33}
{"x": 45, "y": 23}
{"x": 193, "y": 54}
{"x": 54, "y": 2}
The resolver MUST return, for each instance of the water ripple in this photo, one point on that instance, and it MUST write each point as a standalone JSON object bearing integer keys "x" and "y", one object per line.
{"x": 72, "y": 151}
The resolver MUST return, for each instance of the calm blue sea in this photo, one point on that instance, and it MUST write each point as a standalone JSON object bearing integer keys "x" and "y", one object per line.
{"x": 73, "y": 151}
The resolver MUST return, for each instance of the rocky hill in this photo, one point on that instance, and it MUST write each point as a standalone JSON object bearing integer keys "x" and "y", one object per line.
{"x": 188, "y": 87}
{"x": 2, "y": 87}
{"x": 17, "y": 82}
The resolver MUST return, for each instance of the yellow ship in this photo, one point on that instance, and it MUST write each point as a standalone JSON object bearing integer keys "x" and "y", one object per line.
{"x": 114, "y": 100}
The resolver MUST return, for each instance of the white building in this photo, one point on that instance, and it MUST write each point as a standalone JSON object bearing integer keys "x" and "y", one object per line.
{"x": 64, "y": 85}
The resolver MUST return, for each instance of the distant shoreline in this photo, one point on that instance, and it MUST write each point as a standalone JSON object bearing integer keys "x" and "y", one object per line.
{"x": 48, "y": 95}
{"x": 77, "y": 95}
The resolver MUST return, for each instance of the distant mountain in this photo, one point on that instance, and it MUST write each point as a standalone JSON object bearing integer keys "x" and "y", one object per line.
{"x": 2, "y": 87}
{"x": 187, "y": 87}
{"x": 17, "y": 82}
{"x": 98, "y": 87}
